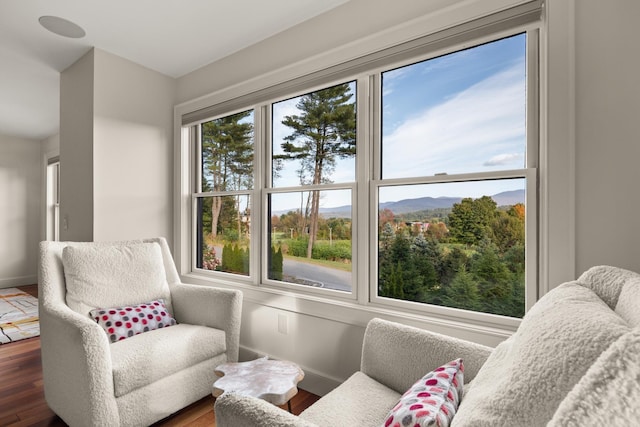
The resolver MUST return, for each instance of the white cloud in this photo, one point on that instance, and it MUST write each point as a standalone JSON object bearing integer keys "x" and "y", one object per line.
{"x": 502, "y": 159}
{"x": 478, "y": 123}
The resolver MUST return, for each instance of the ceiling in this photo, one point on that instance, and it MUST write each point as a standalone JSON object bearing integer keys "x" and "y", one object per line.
{"x": 173, "y": 37}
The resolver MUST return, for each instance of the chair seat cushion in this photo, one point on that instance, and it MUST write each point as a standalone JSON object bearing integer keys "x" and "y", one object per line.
{"x": 149, "y": 357}
{"x": 359, "y": 401}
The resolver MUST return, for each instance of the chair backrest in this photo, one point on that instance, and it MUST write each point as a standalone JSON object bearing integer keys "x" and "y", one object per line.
{"x": 397, "y": 355}
{"x": 51, "y": 280}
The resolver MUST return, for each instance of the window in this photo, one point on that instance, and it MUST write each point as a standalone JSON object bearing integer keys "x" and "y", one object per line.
{"x": 313, "y": 145}
{"x": 405, "y": 180}
{"x": 453, "y": 179}
{"x": 223, "y": 201}
{"x": 53, "y": 199}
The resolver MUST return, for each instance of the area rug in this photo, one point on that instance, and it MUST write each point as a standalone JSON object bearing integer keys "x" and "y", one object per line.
{"x": 18, "y": 315}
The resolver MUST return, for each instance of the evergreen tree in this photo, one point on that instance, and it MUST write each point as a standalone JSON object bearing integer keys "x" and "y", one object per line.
{"x": 494, "y": 279}
{"x": 325, "y": 130}
{"x": 453, "y": 262}
{"x": 227, "y": 158}
{"x": 463, "y": 292}
{"x": 277, "y": 262}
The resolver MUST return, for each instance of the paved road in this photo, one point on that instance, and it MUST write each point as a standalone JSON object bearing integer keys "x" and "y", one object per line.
{"x": 319, "y": 275}
{"x": 316, "y": 275}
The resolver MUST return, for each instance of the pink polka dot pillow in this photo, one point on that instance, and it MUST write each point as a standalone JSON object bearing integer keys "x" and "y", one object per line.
{"x": 432, "y": 401}
{"x": 124, "y": 322}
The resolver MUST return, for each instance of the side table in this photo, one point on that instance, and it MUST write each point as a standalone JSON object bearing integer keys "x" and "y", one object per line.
{"x": 272, "y": 380}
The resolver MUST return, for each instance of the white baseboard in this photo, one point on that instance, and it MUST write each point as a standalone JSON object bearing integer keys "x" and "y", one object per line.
{"x": 11, "y": 282}
{"x": 314, "y": 382}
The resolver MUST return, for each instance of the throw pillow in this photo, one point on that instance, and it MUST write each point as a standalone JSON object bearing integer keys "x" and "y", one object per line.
{"x": 110, "y": 275}
{"x": 124, "y": 322}
{"x": 432, "y": 400}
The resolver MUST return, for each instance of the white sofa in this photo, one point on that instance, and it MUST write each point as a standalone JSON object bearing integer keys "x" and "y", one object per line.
{"x": 89, "y": 381}
{"x": 574, "y": 361}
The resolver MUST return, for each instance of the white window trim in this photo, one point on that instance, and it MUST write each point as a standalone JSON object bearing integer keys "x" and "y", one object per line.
{"x": 353, "y": 312}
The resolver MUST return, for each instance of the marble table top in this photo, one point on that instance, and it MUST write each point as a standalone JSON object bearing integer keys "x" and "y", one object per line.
{"x": 272, "y": 380}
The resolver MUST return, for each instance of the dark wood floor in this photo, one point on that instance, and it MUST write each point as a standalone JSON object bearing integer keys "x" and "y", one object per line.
{"x": 22, "y": 398}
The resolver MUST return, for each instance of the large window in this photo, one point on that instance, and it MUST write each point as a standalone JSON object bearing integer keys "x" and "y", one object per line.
{"x": 453, "y": 179}
{"x": 406, "y": 181}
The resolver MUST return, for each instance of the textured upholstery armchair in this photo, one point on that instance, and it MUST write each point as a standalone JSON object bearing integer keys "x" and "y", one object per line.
{"x": 90, "y": 380}
{"x": 394, "y": 356}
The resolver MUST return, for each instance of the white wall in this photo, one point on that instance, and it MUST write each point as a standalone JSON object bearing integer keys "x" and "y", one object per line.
{"x": 133, "y": 150}
{"x": 76, "y": 150}
{"x": 607, "y": 134}
{"x": 590, "y": 97}
{"x": 115, "y": 150}
{"x": 20, "y": 190}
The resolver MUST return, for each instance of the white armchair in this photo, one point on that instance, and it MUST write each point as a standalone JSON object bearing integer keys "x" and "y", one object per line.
{"x": 89, "y": 381}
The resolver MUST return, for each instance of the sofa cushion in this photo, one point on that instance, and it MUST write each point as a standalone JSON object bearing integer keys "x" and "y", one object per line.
{"x": 146, "y": 358}
{"x": 112, "y": 276}
{"x": 432, "y": 400}
{"x": 628, "y": 306}
{"x": 124, "y": 322}
{"x": 359, "y": 401}
{"x": 607, "y": 282}
{"x": 528, "y": 375}
{"x": 609, "y": 392}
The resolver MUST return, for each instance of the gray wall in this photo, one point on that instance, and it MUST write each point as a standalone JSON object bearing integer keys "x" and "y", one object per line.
{"x": 76, "y": 150}
{"x": 115, "y": 150}
{"x": 133, "y": 154}
{"x": 20, "y": 176}
{"x": 607, "y": 134}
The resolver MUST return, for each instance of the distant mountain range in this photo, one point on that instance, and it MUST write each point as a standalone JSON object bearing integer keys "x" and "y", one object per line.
{"x": 506, "y": 198}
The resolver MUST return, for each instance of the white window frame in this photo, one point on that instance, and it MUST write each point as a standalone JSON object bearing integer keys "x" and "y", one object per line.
{"x": 529, "y": 173}
{"x": 362, "y": 303}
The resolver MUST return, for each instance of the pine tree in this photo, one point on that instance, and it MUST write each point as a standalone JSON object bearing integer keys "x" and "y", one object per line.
{"x": 227, "y": 158}
{"x": 325, "y": 130}
{"x": 463, "y": 292}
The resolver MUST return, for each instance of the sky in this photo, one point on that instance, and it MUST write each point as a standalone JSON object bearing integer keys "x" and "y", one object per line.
{"x": 459, "y": 113}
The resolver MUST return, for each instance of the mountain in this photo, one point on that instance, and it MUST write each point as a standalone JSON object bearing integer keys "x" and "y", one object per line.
{"x": 420, "y": 204}
{"x": 509, "y": 198}
{"x": 506, "y": 198}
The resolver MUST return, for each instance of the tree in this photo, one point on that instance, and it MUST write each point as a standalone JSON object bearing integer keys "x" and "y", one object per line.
{"x": 453, "y": 262}
{"x": 277, "y": 261}
{"x": 470, "y": 220}
{"x": 493, "y": 277}
{"x": 385, "y": 216}
{"x": 227, "y": 159}
{"x": 463, "y": 292}
{"x": 324, "y": 131}
{"x": 437, "y": 230}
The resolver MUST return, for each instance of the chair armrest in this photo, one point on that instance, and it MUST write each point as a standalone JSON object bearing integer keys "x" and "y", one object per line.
{"x": 398, "y": 355}
{"x": 77, "y": 369}
{"x": 214, "y": 307}
{"x": 234, "y": 410}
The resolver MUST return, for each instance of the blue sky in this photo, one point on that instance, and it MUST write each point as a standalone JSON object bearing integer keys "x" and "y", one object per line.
{"x": 458, "y": 113}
